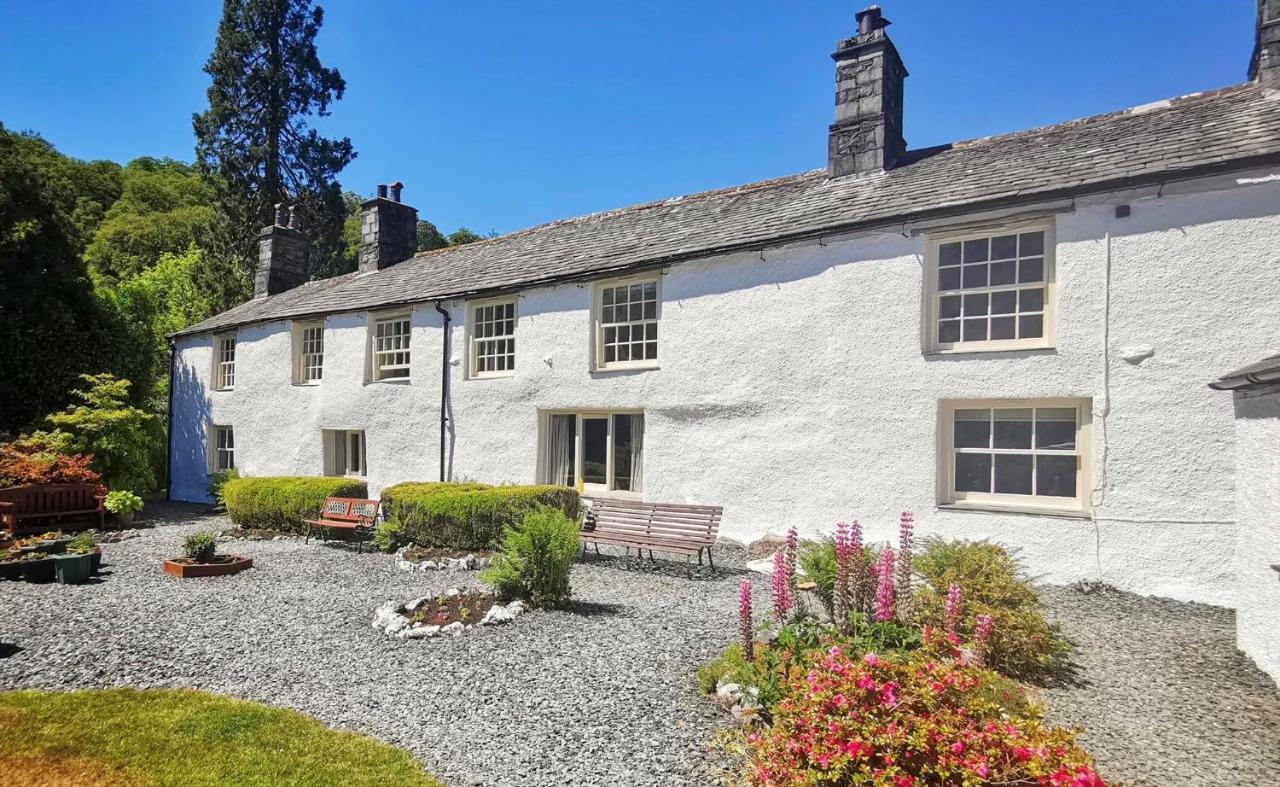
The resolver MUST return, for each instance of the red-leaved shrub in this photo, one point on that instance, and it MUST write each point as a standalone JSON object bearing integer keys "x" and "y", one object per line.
{"x": 28, "y": 464}
{"x": 905, "y": 721}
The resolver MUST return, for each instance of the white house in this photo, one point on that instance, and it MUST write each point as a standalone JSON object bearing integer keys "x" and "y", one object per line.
{"x": 1008, "y": 336}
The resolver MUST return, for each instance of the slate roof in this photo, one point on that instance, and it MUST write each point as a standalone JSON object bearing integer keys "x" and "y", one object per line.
{"x": 1217, "y": 131}
{"x": 1263, "y": 374}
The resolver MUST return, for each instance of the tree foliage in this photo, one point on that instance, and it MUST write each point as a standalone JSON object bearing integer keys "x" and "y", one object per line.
{"x": 126, "y": 442}
{"x": 254, "y": 139}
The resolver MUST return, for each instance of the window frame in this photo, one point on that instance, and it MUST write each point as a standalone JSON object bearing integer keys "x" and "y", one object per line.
{"x": 473, "y": 356}
{"x": 1079, "y": 506}
{"x": 598, "y": 363}
{"x": 217, "y": 450}
{"x": 331, "y": 455}
{"x": 300, "y": 354}
{"x": 375, "y": 370}
{"x": 589, "y": 490}
{"x": 221, "y": 366}
{"x": 929, "y": 310}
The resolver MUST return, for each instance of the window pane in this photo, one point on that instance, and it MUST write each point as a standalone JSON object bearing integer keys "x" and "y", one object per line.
{"x": 975, "y": 275}
{"x": 949, "y": 306}
{"x": 1031, "y": 327}
{"x": 1055, "y": 476}
{"x": 1032, "y": 243}
{"x": 1012, "y": 429}
{"x": 1031, "y": 300}
{"x": 973, "y": 472}
{"x": 948, "y": 278}
{"x": 607, "y": 296}
{"x": 1056, "y": 428}
{"x": 650, "y": 310}
{"x": 1004, "y": 247}
{"x": 973, "y": 429}
{"x": 975, "y": 305}
{"x": 1031, "y": 270}
{"x": 949, "y": 331}
{"x": 595, "y": 447}
{"x": 1013, "y": 474}
{"x": 975, "y": 250}
{"x": 975, "y": 330}
{"x": 1003, "y": 328}
{"x": 622, "y": 452}
{"x": 949, "y": 254}
{"x": 1004, "y": 302}
{"x": 1004, "y": 272}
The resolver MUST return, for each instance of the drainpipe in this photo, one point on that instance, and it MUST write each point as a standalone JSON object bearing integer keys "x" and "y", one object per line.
{"x": 444, "y": 382}
{"x": 168, "y": 432}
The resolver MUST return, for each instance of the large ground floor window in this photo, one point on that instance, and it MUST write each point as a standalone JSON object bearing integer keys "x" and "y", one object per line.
{"x": 344, "y": 452}
{"x": 599, "y": 451}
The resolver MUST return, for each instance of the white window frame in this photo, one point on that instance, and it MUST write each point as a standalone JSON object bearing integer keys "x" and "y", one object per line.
{"x": 308, "y": 352}
{"x": 474, "y": 341}
{"x": 224, "y": 362}
{"x": 377, "y": 370}
{"x": 598, "y": 328}
{"x": 338, "y": 461}
{"x": 591, "y": 490}
{"x": 1078, "y": 506}
{"x": 222, "y": 453}
{"x": 929, "y": 312}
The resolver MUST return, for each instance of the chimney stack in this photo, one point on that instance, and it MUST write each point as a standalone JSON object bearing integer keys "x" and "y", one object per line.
{"x": 1264, "y": 66}
{"x": 282, "y": 255}
{"x": 388, "y": 230}
{"x": 867, "y": 134}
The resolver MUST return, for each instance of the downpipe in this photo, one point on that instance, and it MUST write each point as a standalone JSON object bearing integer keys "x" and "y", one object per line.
{"x": 444, "y": 383}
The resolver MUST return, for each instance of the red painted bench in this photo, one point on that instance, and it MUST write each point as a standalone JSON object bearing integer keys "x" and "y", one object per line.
{"x": 35, "y": 507}
{"x": 667, "y": 527}
{"x": 353, "y": 514}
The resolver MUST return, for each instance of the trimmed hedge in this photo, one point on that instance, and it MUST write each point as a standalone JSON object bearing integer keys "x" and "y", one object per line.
{"x": 282, "y": 502}
{"x": 468, "y": 515}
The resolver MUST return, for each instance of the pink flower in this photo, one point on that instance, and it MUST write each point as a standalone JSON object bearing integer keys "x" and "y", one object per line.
{"x": 871, "y": 659}
{"x": 782, "y": 601}
{"x": 955, "y": 605}
{"x": 744, "y": 619}
{"x": 906, "y": 528}
{"x": 982, "y": 636}
{"x": 957, "y": 747}
{"x": 885, "y": 590}
{"x": 982, "y": 770}
{"x": 889, "y": 694}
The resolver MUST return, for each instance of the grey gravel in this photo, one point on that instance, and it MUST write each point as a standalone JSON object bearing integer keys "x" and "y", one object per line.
{"x": 1164, "y": 696}
{"x": 604, "y": 694}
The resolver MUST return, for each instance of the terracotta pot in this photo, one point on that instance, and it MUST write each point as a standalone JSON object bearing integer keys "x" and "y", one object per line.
{"x": 185, "y": 568}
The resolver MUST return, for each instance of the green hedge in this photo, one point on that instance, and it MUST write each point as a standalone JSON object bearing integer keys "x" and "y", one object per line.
{"x": 282, "y": 502}
{"x": 468, "y": 516}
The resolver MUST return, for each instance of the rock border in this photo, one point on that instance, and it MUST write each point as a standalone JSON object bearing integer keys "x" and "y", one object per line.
{"x": 389, "y": 620}
{"x": 469, "y": 562}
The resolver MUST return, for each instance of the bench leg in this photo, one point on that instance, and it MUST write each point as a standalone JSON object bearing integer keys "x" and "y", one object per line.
{"x": 709, "y": 560}
{"x": 307, "y": 535}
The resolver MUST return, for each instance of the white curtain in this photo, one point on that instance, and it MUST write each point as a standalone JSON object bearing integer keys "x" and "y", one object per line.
{"x": 637, "y": 452}
{"x": 560, "y": 457}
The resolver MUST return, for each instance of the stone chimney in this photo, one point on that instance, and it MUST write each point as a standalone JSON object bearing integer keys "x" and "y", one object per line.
{"x": 1264, "y": 66}
{"x": 867, "y": 134}
{"x": 282, "y": 255}
{"x": 388, "y": 230}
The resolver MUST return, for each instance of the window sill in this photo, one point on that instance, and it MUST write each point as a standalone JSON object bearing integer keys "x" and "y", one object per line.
{"x": 976, "y": 350}
{"x": 627, "y": 367}
{"x": 312, "y": 384}
{"x": 390, "y": 381}
{"x": 492, "y": 376}
{"x": 993, "y": 508}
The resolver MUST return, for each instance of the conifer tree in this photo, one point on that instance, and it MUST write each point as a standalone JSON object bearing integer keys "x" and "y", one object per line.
{"x": 255, "y": 143}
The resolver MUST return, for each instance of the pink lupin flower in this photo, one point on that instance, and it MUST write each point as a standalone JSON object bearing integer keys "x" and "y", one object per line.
{"x": 744, "y": 620}
{"x": 793, "y": 551}
{"x": 782, "y": 601}
{"x": 982, "y": 627}
{"x": 840, "y": 593}
{"x": 885, "y": 590}
{"x": 906, "y": 535}
{"x": 954, "y": 606}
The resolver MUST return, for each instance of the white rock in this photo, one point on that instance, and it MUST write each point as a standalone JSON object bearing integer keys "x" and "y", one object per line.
{"x": 454, "y": 628}
{"x": 420, "y": 632}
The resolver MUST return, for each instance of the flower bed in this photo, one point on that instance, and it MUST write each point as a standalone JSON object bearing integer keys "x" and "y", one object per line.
{"x": 415, "y": 558}
{"x": 452, "y": 612}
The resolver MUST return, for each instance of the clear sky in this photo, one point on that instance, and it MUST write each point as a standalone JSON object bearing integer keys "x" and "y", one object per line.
{"x": 499, "y": 114}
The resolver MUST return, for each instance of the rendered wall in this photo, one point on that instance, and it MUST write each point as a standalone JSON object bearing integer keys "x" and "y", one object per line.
{"x": 793, "y": 389}
{"x": 1258, "y": 540}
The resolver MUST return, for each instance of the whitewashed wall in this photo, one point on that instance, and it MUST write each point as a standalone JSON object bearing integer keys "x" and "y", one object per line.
{"x": 793, "y": 390}
{"x": 1258, "y": 539}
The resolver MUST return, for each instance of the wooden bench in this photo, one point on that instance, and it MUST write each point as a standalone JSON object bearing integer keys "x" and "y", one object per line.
{"x": 354, "y": 514}
{"x": 666, "y": 527}
{"x": 35, "y": 507}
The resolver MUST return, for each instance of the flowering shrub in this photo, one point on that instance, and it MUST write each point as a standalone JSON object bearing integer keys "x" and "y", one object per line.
{"x": 902, "y": 722}
{"x": 30, "y": 461}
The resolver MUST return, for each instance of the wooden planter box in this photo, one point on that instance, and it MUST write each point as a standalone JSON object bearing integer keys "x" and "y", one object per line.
{"x": 184, "y": 568}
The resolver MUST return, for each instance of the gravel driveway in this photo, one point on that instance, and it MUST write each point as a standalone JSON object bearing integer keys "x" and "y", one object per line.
{"x": 601, "y": 695}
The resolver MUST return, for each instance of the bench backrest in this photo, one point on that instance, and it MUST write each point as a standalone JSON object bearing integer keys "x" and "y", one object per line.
{"x": 672, "y": 521}
{"x": 50, "y": 499}
{"x": 349, "y": 509}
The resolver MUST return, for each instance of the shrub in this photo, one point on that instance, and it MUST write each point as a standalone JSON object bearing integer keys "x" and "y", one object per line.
{"x": 201, "y": 547}
{"x": 30, "y": 461}
{"x": 283, "y": 502}
{"x": 122, "y": 502}
{"x": 218, "y": 482}
{"x": 536, "y": 559}
{"x": 907, "y": 721}
{"x": 121, "y": 438}
{"x": 468, "y": 515}
{"x": 1023, "y": 644}
{"x": 388, "y": 536}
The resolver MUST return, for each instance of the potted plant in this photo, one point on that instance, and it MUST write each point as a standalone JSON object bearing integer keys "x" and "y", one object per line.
{"x": 36, "y": 567}
{"x": 201, "y": 559}
{"x": 87, "y": 542}
{"x": 122, "y": 504}
{"x": 9, "y": 566}
{"x": 74, "y": 565}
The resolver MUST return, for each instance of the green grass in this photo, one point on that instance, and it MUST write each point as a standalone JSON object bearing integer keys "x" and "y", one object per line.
{"x": 128, "y": 737}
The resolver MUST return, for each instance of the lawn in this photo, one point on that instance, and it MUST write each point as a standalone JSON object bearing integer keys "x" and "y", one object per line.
{"x": 126, "y": 737}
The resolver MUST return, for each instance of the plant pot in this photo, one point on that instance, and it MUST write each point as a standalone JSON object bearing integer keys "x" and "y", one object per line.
{"x": 38, "y": 570}
{"x": 95, "y": 560}
{"x": 72, "y": 569}
{"x": 54, "y": 546}
{"x": 10, "y": 569}
{"x": 123, "y": 518}
{"x": 186, "y": 568}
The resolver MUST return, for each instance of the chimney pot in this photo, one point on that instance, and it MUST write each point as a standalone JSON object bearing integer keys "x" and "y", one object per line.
{"x": 395, "y": 191}
{"x": 870, "y": 19}
{"x": 382, "y": 190}
{"x": 293, "y": 217}
{"x": 388, "y": 230}
{"x": 283, "y": 253}
{"x": 282, "y": 215}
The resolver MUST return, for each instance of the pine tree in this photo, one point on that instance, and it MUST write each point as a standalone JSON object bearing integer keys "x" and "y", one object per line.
{"x": 254, "y": 140}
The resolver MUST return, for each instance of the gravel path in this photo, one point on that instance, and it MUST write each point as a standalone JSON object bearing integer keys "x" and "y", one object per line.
{"x": 1164, "y": 696}
{"x": 604, "y": 694}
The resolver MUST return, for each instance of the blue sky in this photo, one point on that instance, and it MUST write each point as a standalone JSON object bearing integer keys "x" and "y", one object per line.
{"x": 500, "y": 115}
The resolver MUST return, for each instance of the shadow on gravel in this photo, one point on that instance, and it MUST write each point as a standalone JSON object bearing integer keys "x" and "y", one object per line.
{"x": 591, "y": 609}
{"x": 7, "y": 650}
{"x": 660, "y": 567}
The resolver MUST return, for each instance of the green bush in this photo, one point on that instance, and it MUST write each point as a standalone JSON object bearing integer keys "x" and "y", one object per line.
{"x": 468, "y": 515}
{"x": 218, "y": 481}
{"x": 536, "y": 559}
{"x": 201, "y": 547}
{"x": 388, "y": 536}
{"x": 122, "y": 502}
{"x": 121, "y": 438}
{"x": 1023, "y": 644}
{"x": 283, "y": 502}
